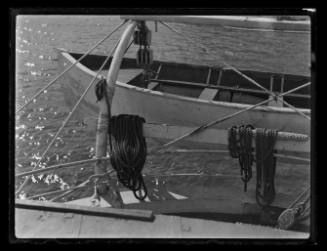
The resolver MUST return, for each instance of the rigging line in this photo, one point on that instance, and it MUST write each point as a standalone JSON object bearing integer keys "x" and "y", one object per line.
{"x": 186, "y": 151}
{"x": 79, "y": 162}
{"x": 67, "y": 69}
{"x": 200, "y": 128}
{"x": 129, "y": 46}
{"x": 54, "y": 167}
{"x": 268, "y": 91}
{"x": 237, "y": 71}
{"x": 69, "y": 115}
{"x": 58, "y": 191}
{"x": 299, "y": 197}
{"x": 71, "y": 189}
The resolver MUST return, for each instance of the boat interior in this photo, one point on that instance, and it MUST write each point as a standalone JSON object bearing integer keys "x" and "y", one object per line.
{"x": 207, "y": 83}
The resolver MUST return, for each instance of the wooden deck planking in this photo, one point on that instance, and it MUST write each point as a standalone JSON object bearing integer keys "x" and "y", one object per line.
{"x": 59, "y": 225}
{"x": 43, "y": 224}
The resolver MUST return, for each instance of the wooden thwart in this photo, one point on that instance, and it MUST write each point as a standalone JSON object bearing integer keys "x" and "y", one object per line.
{"x": 143, "y": 215}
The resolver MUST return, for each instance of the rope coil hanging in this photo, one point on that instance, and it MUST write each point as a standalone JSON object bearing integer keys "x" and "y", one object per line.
{"x": 128, "y": 151}
{"x": 241, "y": 148}
{"x": 266, "y": 166}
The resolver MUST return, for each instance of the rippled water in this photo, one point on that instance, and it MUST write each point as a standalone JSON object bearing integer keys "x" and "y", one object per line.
{"x": 36, "y": 65}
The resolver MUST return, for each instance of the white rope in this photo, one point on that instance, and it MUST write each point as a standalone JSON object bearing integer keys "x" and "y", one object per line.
{"x": 67, "y": 69}
{"x": 68, "y": 117}
{"x": 240, "y": 73}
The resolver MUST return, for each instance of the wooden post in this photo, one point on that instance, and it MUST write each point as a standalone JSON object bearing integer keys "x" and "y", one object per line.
{"x": 103, "y": 120}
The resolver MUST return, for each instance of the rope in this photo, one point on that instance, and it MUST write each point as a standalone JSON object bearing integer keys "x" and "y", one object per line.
{"x": 217, "y": 121}
{"x": 128, "y": 152}
{"x": 296, "y": 212}
{"x": 67, "y": 118}
{"x": 240, "y": 73}
{"x": 92, "y": 178}
{"x": 266, "y": 166}
{"x": 55, "y": 167}
{"x": 241, "y": 148}
{"x": 61, "y": 74}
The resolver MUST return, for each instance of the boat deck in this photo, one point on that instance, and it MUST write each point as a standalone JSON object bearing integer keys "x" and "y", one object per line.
{"x": 36, "y": 223}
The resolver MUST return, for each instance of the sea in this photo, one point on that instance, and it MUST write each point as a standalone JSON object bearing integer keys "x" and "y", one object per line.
{"x": 194, "y": 174}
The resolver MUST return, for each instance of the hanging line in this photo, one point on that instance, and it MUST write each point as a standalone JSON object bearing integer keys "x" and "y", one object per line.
{"x": 237, "y": 71}
{"x": 71, "y": 66}
{"x": 69, "y": 116}
{"x": 240, "y": 146}
{"x": 128, "y": 152}
{"x": 266, "y": 166}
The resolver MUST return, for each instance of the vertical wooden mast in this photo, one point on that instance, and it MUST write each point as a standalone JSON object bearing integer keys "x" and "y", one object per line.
{"x": 103, "y": 120}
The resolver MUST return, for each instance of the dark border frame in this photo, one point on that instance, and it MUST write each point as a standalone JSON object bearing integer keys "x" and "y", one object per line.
{"x": 13, "y": 12}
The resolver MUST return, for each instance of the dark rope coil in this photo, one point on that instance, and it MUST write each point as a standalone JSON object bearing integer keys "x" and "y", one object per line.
{"x": 241, "y": 148}
{"x": 266, "y": 166}
{"x": 128, "y": 152}
{"x": 100, "y": 88}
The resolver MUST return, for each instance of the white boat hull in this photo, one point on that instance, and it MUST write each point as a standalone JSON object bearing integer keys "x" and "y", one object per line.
{"x": 159, "y": 107}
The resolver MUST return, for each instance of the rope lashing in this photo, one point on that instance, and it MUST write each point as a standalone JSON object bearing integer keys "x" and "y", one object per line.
{"x": 298, "y": 211}
{"x": 128, "y": 152}
{"x": 241, "y": 148}
{"x": 100, "y": 92}
{"x": 265, "y": 165}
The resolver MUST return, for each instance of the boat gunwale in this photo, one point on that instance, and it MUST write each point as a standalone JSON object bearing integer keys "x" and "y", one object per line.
{"x": 92, "y": 73}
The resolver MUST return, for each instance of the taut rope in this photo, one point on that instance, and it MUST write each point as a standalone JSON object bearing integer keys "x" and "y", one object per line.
{"x": 220, "y": 120}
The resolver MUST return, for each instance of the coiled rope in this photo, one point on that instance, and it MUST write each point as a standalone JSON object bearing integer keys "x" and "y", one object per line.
{"x": 297, "y": 212}
{"x": 241, "y": 148}
{"x": 128, "y": 151}
{"x": 266, "y": 166}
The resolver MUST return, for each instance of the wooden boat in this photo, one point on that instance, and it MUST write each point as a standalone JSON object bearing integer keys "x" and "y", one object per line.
{"x": 190, "y": 95}
{"x": 169, "y": 211}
